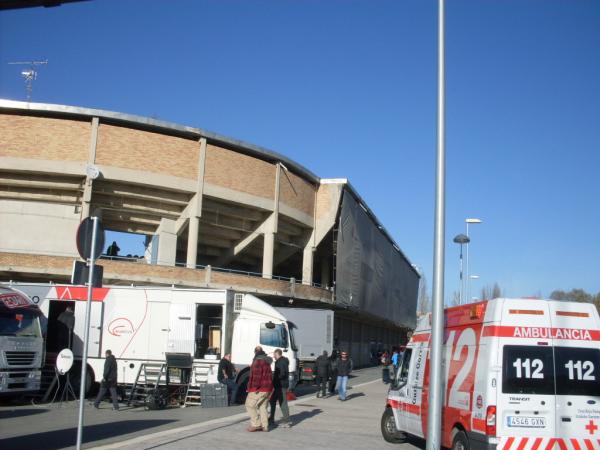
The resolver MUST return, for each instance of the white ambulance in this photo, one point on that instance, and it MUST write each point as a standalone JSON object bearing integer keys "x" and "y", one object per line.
{"x": 519, "y": 374}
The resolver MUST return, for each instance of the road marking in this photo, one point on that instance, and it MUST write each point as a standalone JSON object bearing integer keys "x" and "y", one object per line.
{"x": 196, "y": 426}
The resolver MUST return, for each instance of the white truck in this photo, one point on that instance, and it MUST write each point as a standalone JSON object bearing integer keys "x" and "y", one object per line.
{"x": 313, "y": 333}
{"x": 21, "y": 343}
{"x": 140, "y": 325}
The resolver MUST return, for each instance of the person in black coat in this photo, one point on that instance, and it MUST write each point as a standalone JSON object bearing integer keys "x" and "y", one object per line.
{"x": 323, "y": 367}
{"x": 333, "y": 360}
{"x": 109, "y": 381}
{"x": 281, "y": 385}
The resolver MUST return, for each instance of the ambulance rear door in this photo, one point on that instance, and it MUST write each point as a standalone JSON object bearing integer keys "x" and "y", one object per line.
{"x": 526, "y": 400}
{"x": 577, "y": 368}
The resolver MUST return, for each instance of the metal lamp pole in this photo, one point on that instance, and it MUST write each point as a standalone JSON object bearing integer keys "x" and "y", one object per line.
{"x": 461, "y": 239}
{"x": 86, "y": 334}
{"x": 434, "y": 415}
{"x": 469, "y": 221}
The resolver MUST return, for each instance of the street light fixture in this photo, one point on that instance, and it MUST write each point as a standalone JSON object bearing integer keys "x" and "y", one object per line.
{"x": 461, "y": 239}
{"x": 469, "y": 221}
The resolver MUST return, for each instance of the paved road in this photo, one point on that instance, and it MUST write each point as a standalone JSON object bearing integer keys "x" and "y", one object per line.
{"x": 54, "y": 427}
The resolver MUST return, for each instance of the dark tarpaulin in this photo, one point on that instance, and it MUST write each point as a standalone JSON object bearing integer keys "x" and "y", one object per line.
{"x": 371, "y": 275}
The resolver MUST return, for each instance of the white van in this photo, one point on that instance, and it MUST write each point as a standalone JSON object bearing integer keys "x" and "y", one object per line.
{"x": 519, "y": 374}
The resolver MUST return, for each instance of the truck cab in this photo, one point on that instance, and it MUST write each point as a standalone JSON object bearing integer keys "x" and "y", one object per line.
{"x": 21, "y": 343}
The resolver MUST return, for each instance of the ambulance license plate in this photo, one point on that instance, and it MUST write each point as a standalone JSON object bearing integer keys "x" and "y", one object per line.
{"x": 526, "y": 422}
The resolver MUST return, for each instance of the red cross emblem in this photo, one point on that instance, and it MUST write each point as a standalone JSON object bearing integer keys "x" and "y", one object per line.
{"x": 591, "y": 427}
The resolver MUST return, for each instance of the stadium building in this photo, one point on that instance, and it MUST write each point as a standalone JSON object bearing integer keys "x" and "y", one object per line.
{"x": 212, "y": 212}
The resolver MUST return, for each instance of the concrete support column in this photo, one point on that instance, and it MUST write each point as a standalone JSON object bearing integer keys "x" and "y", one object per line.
{"x": 268, "y": 252}
{"x": 196, "y": 209}
{"x": 325, "y": 270}
{"x": 307, "y": 265}
{"x": 167, "y": 243}
{"x": 192, "y": 243}
{"x": 87, "y": 188}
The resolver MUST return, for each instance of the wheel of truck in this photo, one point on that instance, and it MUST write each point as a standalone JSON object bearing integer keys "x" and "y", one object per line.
{"x": 460, "y": 441}
{"x": 75, "y": 377}
{"x": 388, "y": 427}
{"x": 242, "y": 391}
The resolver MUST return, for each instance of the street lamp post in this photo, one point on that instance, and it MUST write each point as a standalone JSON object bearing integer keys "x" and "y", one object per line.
{"x": 469, "y": 221}
{"x": 461, "y": 239}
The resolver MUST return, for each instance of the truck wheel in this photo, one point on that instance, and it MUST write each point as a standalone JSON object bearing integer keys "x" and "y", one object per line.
{"x": 75, "y": 374}
{"x": 460, "y": 442}
{"x": 388, "y": 427}
{"x": 242, "y": 389}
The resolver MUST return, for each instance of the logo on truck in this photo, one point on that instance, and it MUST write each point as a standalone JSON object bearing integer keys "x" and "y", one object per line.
{"x": 120, "y": 326}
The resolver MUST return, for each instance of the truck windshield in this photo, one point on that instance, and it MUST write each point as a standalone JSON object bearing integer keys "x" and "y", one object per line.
{"x": 577, "y": 371}
{"x": 291, "y": 327}
{"x": 273, "y": 337}
{"x": 19, "y": 324}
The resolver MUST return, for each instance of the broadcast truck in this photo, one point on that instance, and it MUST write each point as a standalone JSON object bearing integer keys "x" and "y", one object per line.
{"x": 21, "y": 343}
{"x": 313, "y": 332}
{"x": 141, "y": 325}
{"x": 519, "y": 374}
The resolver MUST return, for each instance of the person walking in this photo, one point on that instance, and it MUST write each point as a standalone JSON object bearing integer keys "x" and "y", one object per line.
{"x": 260, "y": 386}
{"x": 344, "y": 367}
{"x": 281, "y": 383}
{"x": 323, "y": 372}
{"x": 333, "y": 372}
{"x": 109, "y": 381}
{"x": 226, "y": 376}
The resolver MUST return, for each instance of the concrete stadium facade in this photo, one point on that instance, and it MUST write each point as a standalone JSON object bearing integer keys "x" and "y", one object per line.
{"x": 214, "y": 211}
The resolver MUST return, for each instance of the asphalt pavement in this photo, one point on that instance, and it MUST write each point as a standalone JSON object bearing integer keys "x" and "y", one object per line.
{"x": 323, "y": 422}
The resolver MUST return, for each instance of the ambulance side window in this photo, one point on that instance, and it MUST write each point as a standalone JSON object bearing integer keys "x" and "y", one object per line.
{"x": 403, "y": 370}
{"x": 527, "y": 370}
{"x": 577, "y": 371}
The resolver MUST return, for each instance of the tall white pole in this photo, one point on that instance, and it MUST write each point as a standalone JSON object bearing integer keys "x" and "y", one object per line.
{"x": 434, "y": 416}
{"x": 468, "y": 279}
{"x": 86, "y": 334}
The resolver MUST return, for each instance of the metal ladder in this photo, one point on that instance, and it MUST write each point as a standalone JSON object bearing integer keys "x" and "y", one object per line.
{"x": 149, "y": 377}
{"x": 198, "y": 377}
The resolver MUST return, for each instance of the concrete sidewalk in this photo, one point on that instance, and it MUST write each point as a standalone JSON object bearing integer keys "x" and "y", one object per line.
{"x": 324, "y": 423}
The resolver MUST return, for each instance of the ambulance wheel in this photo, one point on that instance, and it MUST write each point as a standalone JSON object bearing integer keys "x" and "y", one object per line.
{"x": 460, "y": 442}
{"x": 388, "y": 427}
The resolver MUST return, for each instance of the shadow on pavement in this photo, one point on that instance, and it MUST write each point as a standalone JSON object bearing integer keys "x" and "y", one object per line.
{"x": 355, "y": 395}
{"x": 56, "y": 439}
{"x": 301, "y": 416}
{"x": 21, "y": 413}
{"x": 195, "y": 434}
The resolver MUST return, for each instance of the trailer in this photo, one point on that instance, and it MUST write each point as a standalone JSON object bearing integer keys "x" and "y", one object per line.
{"x": 313, "y": 332}
{"x": 145, "y": 326}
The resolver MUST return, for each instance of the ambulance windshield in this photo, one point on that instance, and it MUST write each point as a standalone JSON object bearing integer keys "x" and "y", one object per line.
{"x": 577, "y": 371}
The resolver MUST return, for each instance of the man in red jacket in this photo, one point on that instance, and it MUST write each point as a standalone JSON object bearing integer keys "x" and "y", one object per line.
{"x": 260, "y": 386}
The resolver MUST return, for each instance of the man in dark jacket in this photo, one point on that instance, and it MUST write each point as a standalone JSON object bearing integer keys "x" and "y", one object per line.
{"x": 226, "y": 376}
{"x": 109, "y": 381}
{"x": 323, "y": 372}
{"x": 281, "y": 383}
{"x": 333, "y": 360}
{"x": 344, "y": 367}
{"x": 260, "y": 386}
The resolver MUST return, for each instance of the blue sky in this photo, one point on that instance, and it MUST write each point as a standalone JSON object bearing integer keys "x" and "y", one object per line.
{"x": 348, "y": 89}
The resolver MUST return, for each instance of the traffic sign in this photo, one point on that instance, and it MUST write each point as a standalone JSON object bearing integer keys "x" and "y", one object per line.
{"x": 84, "y": 239}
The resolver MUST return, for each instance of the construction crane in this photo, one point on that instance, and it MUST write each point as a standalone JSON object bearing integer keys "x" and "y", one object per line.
{"x": 30, "y": 74}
